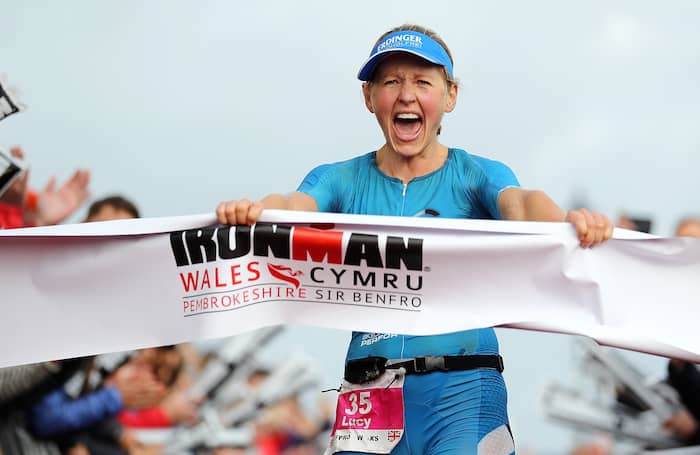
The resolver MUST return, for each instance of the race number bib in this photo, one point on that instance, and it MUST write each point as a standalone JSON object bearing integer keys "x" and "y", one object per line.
{"x": 369, "y": 417}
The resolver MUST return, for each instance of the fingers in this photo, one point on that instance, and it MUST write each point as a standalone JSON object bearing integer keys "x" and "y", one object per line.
{"x": 17, "y": 152}
{"x": 79, "y": 179}
{"x": 254, "y": 213}
{"x": 592, "y": 228}
{"x": 138, "y": 386}
{"x": 609, "y": 227}
{"x": 221, "y": 213}
{"x": 79, "y": 184}
{"x": 76, "y": 187}
{"x": 50, "y": 185}
{"x": 578, "y": 220}
{"x": 20, "y": 185}
{"x": 239, "y": 212}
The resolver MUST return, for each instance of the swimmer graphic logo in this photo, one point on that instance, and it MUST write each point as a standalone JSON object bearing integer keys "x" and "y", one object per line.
{"x": 222, "y": 268}
{"x": 284, "y": 273}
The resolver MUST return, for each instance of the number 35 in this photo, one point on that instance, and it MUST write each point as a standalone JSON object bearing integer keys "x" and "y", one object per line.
{"x": 364, "y": 406}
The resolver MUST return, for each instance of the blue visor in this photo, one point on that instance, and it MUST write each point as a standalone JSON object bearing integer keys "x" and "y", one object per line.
{"x": 410, "y": 42}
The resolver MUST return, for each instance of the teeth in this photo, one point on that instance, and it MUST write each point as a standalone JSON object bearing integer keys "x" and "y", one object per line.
{"x": 407, "y": 117}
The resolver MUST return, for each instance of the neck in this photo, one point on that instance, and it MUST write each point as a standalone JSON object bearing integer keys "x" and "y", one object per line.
{"x": 407, "y": 168}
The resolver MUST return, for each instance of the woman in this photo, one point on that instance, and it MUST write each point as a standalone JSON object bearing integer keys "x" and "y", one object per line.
{"x": 458, "y": 406}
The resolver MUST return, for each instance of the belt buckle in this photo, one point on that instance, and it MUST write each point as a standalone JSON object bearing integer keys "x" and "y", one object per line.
{"x": 426, "y": 364}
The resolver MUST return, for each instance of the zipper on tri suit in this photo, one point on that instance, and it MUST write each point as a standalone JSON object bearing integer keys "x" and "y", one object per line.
{"x": 403, "y": 197}
{"x": 403, "y": 204}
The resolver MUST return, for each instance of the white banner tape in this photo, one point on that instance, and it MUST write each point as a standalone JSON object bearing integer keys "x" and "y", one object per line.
{"x": 91, "y": 288}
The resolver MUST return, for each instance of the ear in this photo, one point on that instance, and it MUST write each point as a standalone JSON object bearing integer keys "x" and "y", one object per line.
{"x": 452, "y": 91}
{"x": 368, "y": 97}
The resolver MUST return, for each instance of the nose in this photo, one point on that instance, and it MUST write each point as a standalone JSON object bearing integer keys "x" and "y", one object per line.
{"x": 408, "y": 93}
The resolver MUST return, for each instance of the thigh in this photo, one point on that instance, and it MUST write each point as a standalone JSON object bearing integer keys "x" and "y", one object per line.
{"x": 459, "y": 412}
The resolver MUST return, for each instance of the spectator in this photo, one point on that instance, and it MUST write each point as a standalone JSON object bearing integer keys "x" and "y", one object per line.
{"x": 634, "y": 224}
{"x": 131, "y": 386}
{"x": 177, "y": 407}
{"x": 112, "y": 208}
{"x": 688, "y": 227}
{"x": 20, "y": 207}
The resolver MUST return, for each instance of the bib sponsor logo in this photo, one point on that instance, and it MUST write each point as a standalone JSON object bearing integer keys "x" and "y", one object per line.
{"x": 369, "y": 339}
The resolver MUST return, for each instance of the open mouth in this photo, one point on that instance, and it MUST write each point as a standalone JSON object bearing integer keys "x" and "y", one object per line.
{"x": 407, "y": 126}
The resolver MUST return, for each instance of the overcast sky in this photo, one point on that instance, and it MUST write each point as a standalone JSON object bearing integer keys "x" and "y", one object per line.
{"x": 181, "y": 104}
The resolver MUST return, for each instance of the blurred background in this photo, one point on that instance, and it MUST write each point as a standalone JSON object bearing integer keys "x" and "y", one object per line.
{"x": 178, "y": 105}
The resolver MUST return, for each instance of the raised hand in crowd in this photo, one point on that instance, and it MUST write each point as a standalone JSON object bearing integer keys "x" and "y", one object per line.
{"x": 137, "y": 385}
{"x": 50, "y": 206}
{"x": 55, "y": 205}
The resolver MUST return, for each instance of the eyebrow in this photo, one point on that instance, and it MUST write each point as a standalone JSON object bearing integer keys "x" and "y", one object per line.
{"x": 417, "y": 74}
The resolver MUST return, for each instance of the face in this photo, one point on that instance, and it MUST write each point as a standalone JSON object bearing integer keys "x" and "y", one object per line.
{"x": 409, "y": 97}
{"x": 109, "y": 213}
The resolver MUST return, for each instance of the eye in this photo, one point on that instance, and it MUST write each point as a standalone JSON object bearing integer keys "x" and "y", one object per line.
{"x": 424, "y": 82}
{"x": 391, "y": 82}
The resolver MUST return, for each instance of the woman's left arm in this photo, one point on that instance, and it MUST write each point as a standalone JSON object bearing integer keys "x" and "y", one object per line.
{"x": 519, "y": 204}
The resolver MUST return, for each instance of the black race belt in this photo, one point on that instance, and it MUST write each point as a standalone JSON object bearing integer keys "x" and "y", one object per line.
{"x": 429, "y": 364}
{"x": 366, "y": 369}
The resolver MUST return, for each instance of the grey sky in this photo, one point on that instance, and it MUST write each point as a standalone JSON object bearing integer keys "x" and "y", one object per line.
{"x": 181, "y": 104}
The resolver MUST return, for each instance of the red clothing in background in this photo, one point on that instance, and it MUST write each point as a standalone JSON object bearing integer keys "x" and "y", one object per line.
{"x": 11, "y": 217}
{"x": 144, "y": 418}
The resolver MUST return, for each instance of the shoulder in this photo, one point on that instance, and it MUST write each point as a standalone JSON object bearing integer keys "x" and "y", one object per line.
{"x": 339, "y": 168}
{"x": 486, "y": 165}
{"x": 484, "y": 169}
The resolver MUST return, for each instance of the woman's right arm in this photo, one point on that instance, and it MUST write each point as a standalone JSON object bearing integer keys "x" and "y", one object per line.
{"x": 244, "y": 211}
